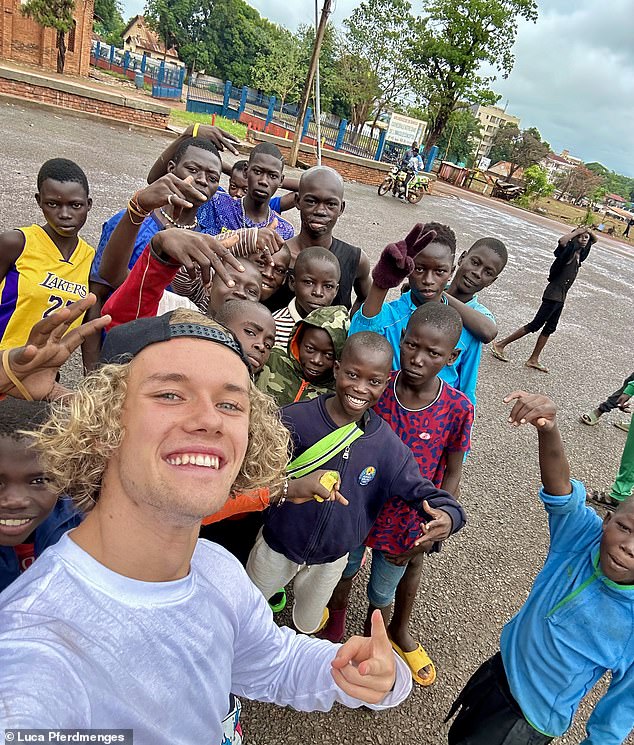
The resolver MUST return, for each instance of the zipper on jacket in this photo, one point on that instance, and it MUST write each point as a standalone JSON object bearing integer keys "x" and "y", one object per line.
{"x": 325, "y": 516}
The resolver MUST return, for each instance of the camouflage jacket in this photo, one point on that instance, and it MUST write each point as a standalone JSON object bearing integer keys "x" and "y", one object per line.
{"x": 282, "y": 376}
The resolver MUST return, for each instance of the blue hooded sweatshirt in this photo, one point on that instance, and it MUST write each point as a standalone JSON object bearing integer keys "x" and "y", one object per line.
{"x": 574, "y": 625}
{"x": 374, "y": 468}
{"x": 63, "y": 518}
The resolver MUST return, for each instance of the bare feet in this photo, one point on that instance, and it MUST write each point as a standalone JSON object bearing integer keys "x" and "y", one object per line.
{"x": 536, "y": 365}
{"x": 498, "y": 352}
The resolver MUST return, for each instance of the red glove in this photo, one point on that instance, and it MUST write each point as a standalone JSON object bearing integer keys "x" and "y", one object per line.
{"x": 397, "y": 259}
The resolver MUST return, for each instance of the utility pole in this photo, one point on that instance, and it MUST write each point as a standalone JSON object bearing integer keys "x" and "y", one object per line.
{"x": 317, "y": 91}
{"x": 319, "y": 37}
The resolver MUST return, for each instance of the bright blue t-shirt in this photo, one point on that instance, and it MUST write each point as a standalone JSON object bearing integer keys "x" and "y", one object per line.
{"x": 391, "y": 323}
{"x": 574, "y": 626}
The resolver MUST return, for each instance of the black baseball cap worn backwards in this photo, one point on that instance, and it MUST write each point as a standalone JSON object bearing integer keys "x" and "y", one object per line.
{"x": 124, "y": 342}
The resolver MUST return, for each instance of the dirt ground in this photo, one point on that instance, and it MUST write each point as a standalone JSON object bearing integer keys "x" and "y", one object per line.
{"x": 484, "y": 574}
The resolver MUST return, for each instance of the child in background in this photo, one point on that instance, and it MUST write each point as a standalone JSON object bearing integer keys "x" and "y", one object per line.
{"x": 310, "y": 542}
{"x": 315, "y": 282}
{"x": 624, "y": 484}
{"x": 43, "y": 268}
{"x": 305, "y": 370}
{"x": 238, "y": 184}
{"x": 265, "y": 173}
{"x": 434, "y": 420}
{"x": 572, "y": 249}
{"x": 575, "y": 625}
{"x": 616, "y": 400}
{"x": 237, "y": 179}
{"x": 32, "y": 518}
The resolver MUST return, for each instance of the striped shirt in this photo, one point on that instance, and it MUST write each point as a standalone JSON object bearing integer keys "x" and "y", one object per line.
{"x": 285, "y": 320}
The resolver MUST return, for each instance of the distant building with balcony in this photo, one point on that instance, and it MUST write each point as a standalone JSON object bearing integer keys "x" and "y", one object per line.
{"x": 491, "y": 118}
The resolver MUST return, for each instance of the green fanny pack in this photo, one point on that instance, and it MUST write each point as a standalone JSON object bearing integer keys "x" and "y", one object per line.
{"x": 323, "y": 450}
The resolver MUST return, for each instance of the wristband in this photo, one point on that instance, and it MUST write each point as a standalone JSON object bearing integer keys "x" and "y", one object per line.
{"x": 12, "y": 376}
{"x": 195, "y": 129}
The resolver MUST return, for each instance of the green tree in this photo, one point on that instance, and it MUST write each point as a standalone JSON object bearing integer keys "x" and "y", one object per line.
{"x": 328, "y": 61}
{"x": 55, "y": 14}
{"x": 108, "y": 21}
{"x": 358, "y": 86}
{"x": 521, "y": 148}
{"x": 536, "y": 185}
{"x": 224, "y": 37}
{"x": 615, "y": 183}
{"x": 458, "y": 140}
{"x": 282, "y": 70}
{"x": 378, "y": 32}
{"x": 171, "y": 20}
{"x": 453, "y": 39}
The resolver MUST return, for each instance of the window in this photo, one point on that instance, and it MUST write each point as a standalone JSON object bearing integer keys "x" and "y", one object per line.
{"x": 71, "y": 37}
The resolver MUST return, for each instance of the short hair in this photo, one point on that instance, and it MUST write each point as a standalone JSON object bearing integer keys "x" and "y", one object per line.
{"x": 444, "y": 234}
{"x": 199, "y": 142}
{"x": 237, "y": 307}
{"x": 239, "y": 165}
{"x": 316, "y": 253}
{"x": 17, "y": 417}
{"x": 62, "y": 170}
{"x": 326, "y": 170}
{"x": 442, "y": 317}
{"x": 267, "y": 148}
{"x": 369, "y": 341}
{"x": 494, "y": 245}
{"x": 79, "y": 439}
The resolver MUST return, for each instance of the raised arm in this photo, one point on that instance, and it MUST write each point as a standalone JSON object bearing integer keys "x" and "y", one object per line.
{"x": 574, "y": 233}
{"x": 168, "y": 189}
{"x": 219, "y": 137}
{"x": 482, "y": 327}
{"x": 395, "y": 264}
{"x": 540, "y": 411}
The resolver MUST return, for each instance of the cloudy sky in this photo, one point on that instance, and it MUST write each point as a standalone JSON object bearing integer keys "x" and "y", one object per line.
{"x": 573, "y": 77}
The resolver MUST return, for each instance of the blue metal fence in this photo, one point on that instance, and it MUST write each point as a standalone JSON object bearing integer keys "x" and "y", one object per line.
{"x": 165, "y": 78}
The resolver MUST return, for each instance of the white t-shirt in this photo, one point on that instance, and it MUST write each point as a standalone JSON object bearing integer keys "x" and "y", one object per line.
{"x": 84, "y": 647}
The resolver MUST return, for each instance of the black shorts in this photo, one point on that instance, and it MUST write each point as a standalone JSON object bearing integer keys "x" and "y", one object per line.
{"x": 547, "y": 316}
{"x": 487, "y": 713}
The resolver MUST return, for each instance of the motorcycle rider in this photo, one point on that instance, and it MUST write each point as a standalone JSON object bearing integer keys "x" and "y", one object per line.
{"x": 412, "y": 163}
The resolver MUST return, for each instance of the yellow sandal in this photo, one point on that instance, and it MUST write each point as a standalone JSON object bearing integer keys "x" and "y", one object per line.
{"x": 417, "y": 660}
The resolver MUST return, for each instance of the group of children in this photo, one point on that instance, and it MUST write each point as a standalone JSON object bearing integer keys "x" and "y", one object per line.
{"x": 378, "y": 396}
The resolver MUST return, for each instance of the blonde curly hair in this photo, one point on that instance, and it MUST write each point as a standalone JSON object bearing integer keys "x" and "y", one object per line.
{"x": 80, "y": 438}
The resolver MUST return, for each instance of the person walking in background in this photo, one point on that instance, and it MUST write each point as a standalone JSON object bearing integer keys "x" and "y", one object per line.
{"x": 572, "y": 249}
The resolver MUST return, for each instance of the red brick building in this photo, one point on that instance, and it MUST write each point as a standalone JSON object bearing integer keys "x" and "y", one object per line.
{"x": 23, "y": 40}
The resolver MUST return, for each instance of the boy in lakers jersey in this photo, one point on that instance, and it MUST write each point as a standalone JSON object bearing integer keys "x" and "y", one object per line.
{"x": 43, "y": 268}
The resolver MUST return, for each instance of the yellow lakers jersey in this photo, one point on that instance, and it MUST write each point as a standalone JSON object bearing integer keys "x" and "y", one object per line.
{"x": 40, "y": 282}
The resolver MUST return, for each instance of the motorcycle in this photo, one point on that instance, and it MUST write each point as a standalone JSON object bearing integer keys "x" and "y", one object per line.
{"x": 395, "y": 182}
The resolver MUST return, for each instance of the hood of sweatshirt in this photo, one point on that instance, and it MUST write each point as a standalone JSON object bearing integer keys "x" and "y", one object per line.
{"x": 333, "y": 319}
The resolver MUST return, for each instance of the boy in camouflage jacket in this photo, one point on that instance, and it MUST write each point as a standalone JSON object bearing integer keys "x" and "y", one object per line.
{"x": 305, "y": 370}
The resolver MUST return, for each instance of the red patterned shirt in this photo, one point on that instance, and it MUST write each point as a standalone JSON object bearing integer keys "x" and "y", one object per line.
{"x": 431, "y": 432}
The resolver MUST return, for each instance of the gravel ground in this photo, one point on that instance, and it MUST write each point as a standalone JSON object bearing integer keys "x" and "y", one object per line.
{"x": 484, "y": 574}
